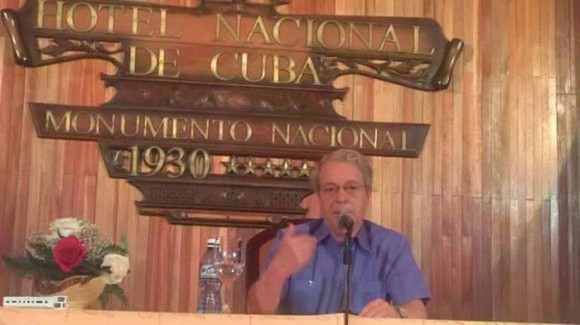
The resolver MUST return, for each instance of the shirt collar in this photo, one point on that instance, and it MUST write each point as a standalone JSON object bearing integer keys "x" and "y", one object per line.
{"x": 321, "y": 232}
{"x": 363, "y": 237}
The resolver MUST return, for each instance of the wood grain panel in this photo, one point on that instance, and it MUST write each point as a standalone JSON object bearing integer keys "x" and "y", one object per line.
{"x": 574, "y": 192}
{"x": 491, "y": 207}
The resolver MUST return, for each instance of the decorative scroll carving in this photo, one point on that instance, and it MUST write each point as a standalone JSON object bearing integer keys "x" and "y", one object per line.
{"x": 69, "y": 49}
{"x": 385, "y": 69}
{"x": 211, "y": 97}
{"x": 411, "y": 70}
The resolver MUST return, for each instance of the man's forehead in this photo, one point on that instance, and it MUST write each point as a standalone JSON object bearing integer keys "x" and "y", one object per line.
{"x": 333, "y": 172}
{"x": 338, "y": 182}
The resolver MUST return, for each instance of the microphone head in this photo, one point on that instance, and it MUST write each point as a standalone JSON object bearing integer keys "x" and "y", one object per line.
{"x": 345, "y": 221}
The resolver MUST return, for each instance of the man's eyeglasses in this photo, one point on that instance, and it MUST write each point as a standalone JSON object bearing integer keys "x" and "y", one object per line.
{"x": 350, "y": 189}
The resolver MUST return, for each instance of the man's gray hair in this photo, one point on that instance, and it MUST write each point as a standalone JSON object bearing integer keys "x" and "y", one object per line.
{"x": 349, "y": 156}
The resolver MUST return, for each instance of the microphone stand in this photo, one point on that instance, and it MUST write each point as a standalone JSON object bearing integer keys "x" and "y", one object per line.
{"x": 346, "y": 266}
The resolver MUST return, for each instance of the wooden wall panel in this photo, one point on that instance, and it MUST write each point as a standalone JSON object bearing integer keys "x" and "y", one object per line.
{"x": 491, "y": 208}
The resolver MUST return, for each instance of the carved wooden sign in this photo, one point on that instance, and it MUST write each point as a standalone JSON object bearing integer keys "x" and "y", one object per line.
{"x": 226, "y": 78}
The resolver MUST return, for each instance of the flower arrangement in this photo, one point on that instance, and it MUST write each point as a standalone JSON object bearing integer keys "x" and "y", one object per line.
{"x": 74, "y": 248}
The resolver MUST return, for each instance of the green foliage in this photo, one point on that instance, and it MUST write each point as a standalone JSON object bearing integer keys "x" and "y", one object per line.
{"x": 36, "y": 267}
{"x": 112, "y": 290}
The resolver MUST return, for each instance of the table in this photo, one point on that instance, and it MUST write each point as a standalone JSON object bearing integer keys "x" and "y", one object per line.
{"x": 18, "y": 316}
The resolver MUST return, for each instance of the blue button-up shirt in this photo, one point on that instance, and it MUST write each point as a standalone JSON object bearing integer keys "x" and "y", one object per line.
{"x": 382, "y": 267}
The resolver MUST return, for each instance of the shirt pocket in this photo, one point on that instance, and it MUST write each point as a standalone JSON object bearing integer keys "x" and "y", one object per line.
{"x": 366, "y": 291}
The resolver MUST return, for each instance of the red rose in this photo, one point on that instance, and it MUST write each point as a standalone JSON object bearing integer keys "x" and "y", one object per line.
{"x": 68, "y": 253}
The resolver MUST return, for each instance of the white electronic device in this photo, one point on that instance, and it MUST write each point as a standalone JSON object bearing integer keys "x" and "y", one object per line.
{"x": 53, "y": 302}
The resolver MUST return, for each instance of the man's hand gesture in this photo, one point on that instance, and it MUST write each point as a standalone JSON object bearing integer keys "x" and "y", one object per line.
{"x": 294, "y": 252}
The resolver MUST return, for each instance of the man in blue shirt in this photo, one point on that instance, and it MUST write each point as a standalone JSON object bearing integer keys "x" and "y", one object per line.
{"x": 304, "y": 270}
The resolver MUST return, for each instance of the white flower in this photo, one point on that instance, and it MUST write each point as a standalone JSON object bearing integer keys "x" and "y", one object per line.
{"x": 119, "y": 266}
{"x": 65, "y": 227}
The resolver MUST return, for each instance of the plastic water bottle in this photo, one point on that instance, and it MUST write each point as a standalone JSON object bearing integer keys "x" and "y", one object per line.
{"x": 209, "y": 299}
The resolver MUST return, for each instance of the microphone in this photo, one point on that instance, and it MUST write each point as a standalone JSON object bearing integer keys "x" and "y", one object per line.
{"x": 345, "y": 221}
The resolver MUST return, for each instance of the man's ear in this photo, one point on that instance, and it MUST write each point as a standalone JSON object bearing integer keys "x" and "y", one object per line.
{"x": 369, "y": 191}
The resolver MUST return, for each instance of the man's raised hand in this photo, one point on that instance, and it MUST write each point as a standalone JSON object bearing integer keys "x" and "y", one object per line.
{"x": 294, "y": 252}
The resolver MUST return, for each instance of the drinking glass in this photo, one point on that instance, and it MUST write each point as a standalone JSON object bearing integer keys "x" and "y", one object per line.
{"x": 228, "y": 265}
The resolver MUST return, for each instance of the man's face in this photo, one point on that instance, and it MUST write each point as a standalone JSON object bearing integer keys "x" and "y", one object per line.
{"x": 342, "y": 191}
